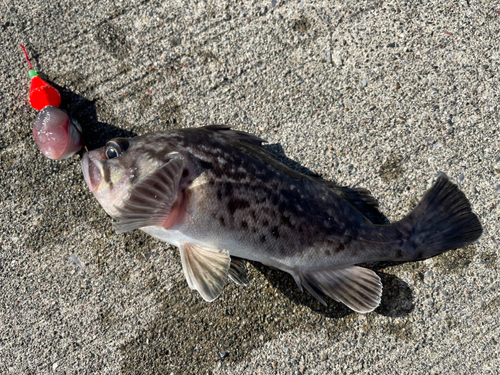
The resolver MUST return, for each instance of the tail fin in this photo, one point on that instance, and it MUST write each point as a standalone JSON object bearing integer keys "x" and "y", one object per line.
{"x": 442, "y": 221}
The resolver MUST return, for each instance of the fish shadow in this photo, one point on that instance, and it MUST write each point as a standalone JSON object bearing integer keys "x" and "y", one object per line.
{"x": 79, "y": 108}
{"x": 396, "y": 300}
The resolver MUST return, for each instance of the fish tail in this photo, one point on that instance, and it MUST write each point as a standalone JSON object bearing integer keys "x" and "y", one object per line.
{"x": 441, "y": 221}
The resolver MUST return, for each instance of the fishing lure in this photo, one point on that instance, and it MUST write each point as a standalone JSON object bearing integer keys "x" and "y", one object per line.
{"x": 57, "y": 135}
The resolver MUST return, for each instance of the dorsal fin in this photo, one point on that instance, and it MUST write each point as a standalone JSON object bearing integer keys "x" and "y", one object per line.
{"x": 252, "y": 146}
{"x": 360, "y": 198}
{"x": 242, "y": 136}
{"x": 363, "y": 202}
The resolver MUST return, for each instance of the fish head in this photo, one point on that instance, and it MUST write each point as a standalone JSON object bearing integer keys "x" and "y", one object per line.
{"x": 112, "y": 171}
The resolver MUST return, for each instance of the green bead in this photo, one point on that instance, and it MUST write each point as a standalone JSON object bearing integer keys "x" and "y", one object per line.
{"x": 32, "y": 73}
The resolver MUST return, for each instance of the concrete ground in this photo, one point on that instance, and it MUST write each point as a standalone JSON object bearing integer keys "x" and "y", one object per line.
{"x": 383, "y": 94}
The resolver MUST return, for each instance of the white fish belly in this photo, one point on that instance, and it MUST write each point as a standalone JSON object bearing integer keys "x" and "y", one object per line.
{"x": 178, "y": 238}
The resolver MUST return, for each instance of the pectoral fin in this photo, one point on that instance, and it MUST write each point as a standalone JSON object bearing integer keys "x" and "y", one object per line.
{"x": 358, "y": 288}
{"x": 205, "y": 269}
{"x": 150, "y": 202}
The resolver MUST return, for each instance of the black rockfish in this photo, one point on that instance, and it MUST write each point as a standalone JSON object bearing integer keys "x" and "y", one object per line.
{"x": 220, "y": 197}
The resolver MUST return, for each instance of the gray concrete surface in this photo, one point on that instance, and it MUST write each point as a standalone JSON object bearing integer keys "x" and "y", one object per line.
{"x": 380, "y": 93}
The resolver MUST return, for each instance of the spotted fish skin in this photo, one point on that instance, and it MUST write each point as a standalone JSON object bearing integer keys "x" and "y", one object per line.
{"x": 218, "y": 194}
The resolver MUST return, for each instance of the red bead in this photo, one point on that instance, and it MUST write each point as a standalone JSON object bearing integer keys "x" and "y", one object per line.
{"x": 42, "y": 94}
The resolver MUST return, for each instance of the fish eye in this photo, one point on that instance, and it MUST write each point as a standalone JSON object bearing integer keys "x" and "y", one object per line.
{"x": 116, "y": 147}
{"x": 111, "y": 152}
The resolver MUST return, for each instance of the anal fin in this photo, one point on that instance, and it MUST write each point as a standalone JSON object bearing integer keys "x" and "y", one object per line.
{"x": 205, "y": 269}
{"x": 358, "y": 288}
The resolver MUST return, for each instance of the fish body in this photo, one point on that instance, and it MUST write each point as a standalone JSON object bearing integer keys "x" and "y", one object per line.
{"x": 220, "y": 196}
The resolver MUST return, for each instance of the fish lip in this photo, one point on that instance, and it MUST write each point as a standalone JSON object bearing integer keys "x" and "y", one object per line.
{"x": 91, "y": 172}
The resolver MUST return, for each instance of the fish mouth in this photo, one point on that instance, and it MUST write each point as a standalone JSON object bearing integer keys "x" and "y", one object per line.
{"x": 91, "y": 171}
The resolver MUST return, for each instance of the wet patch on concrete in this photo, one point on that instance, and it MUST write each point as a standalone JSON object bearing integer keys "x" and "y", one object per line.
{"x": 301, "y": 25}
{"x": 112, "y": 38}
{"x": 455, "y": 261}
{"x": 106, "y": 317}
{"x": 169, "y": 114}
{"x": 451, "y": 322}
{"x": 492, "y": 306}
{"x": 412, "y": 203}
{"x": 391, "y": 169}
{"x": 145, "y": 101}
{"x": 397, "y": 299}
{"x": 123, "y": 68}
{"x": 489, "y": 259}
{"x": 399, "y": 328}
{"x": 206, "y": 56}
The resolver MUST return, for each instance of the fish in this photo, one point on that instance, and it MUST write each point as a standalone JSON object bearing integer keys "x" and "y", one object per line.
{"x": 223, "y": 198}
